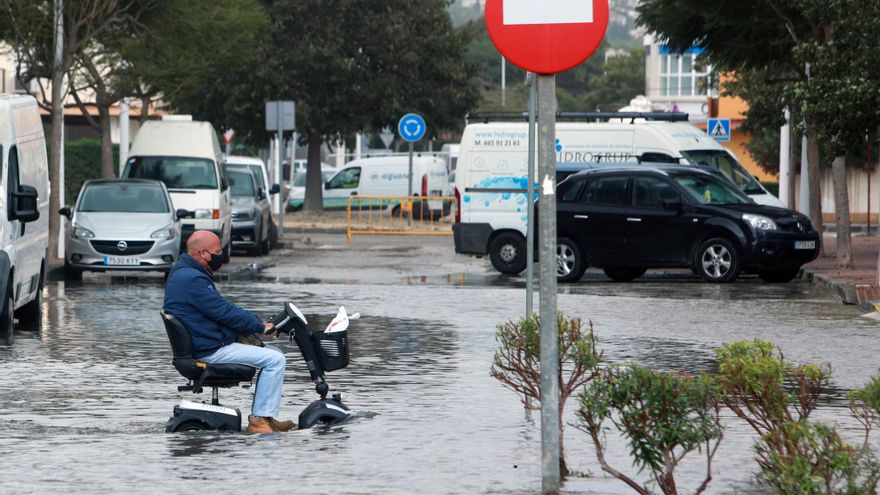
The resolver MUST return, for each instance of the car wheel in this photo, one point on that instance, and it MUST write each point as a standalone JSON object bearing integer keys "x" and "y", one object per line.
{"x": 72, "y": 274}
{"x": 33, "y": 311}
{"x": 624, "y": 273}
{"x": 7, "y": 316}
{"x": 507, "y": 252}
{"x": 570, "y": 263}
{"x": 395, "y": 212}
{"x": 779, "y": 276}
{"x": 718, "y": 260}
{"x": 227, "y": 253}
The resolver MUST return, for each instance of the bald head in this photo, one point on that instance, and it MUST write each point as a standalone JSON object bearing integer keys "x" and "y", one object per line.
{"x": 202, "y": 239}
{"x": 201, "y": 245}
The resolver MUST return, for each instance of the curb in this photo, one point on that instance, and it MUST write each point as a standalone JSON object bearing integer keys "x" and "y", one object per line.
{"x": 315, "y": 230}
{"x": 843, "y": 291}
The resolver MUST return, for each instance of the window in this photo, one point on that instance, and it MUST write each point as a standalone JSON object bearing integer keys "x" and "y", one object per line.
{"x": 651, "y": 157}
{"x": 569, "y": 191}
{"x": 346, "y": 179}
{"x": 651, "y": 192}
{"x": 123, "y": 198}
{"x": 721, "y": 161}
{"x": 175, "y": 172}
{"x": 711, "y": 190}
{"x": 242, "y": 183}
{"x": 683, "y": 75}
{"x": 12, "y": 182}
{"x": 606, "y": 191}
{"x": 258, "y": 174}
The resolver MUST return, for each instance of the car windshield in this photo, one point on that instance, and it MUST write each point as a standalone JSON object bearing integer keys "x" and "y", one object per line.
{"x": 258, "y": 174}
{"x": 175, "y": 172}
{"x": 710, "y": 190}
{"x": 300, "y": 179}
{"x": 723, "y": 162}
{"x": 241, "y": 183}
{"x": 123, "y": 198}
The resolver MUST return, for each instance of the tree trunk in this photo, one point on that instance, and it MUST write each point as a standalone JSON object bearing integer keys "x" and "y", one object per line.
{"x": 794, "y": 158}
{"x": 55, "y": 198}
{"x": 815, "y": 172}
{"x": 314, "y": 181}
{"x": 841, "y": 212}
{"x": 108, "y": 170}
{"x": 145, "y": 111}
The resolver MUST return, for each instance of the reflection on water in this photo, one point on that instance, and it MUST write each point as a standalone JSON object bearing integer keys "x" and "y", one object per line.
{"x": 86, "y": 395}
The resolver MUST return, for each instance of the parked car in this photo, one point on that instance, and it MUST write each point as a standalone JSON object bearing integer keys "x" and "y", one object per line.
{"x": 186, "y": 156}
{"x": 122, "y": 225}
{"x": 626, "y": 220}
{"x": 297, "y": 189}
{"x": 258, "y": 167}
{"x": 250, "y": 212}
{"x": 25, "y": 221}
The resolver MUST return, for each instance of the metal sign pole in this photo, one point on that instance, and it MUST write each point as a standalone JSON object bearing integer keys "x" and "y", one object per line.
{"x": 410, "y": 175}
{"x": 530, "y": 229}
{"x": 549, "y": 338}
{"x": 279, "y": 167}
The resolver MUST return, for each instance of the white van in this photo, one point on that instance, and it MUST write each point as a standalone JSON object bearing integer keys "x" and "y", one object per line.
{"x": 186, "y": 156}
{"x": 24, "y": 192}
{"x": 493, "y": 165}
{"x": 386, "y": 176}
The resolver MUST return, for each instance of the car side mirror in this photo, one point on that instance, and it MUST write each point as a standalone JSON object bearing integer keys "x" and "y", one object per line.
{"x": 673, "y": 204}
{"x": 261, "y": 193}
{"x": 275, "y": 189}
{"x": 182, "y": 213}
{"x": 66, "y": 212}
{"x": 24, "y": 205}
{"x": 327, "y": 185}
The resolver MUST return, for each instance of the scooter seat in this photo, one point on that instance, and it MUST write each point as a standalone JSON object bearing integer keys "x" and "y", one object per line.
{"x": 221, "y": 373}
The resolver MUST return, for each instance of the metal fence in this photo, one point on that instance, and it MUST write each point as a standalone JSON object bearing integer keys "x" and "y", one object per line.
{"x": 400, "y": 215}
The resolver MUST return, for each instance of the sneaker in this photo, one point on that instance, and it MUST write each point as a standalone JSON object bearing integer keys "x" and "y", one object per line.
{"x": 286, "y": 425}
{"x": 257, "y": 424}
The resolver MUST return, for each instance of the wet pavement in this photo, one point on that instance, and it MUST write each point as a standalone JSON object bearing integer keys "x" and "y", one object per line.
{"x": 84, "y": 398}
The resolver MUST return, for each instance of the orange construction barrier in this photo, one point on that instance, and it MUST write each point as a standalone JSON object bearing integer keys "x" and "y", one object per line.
{"x": 400, "y": 215}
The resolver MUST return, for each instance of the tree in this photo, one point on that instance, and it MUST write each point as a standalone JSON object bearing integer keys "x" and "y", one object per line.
{"x": 354, "y": 65}
{"x": 28, "y": 27}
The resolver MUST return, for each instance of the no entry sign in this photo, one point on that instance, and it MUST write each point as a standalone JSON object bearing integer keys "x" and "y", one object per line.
{"x": 546, "y": 36}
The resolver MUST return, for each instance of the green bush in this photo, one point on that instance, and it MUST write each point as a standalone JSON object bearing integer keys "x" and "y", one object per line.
{"x": 82, "y": 161}
{"x": 663, "y": 416}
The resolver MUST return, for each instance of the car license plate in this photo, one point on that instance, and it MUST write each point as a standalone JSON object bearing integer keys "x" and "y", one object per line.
{"x": 121, "y": 261}
{"x": 805, "y": 244}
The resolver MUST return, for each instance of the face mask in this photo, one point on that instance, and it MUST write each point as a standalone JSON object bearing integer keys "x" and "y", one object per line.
{"x": 216, "y": 262}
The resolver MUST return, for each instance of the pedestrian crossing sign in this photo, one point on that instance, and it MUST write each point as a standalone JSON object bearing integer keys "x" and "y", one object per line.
{"x": 719, "y": 129}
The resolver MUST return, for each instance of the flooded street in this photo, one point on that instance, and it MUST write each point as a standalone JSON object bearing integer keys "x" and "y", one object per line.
{"x": 84, "y": 398}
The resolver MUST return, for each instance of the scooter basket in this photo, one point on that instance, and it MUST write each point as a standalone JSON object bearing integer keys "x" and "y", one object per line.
{"x": 332, "y": 349}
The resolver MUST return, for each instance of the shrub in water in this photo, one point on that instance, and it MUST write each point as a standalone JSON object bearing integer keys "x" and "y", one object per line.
{"x": 517, "y": 363}
{"x": 663, "y": 417}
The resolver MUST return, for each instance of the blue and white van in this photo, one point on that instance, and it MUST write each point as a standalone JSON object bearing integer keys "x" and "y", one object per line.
{"x": 493, "y": 164}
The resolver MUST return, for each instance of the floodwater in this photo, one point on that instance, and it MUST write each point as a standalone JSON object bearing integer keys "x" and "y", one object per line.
{"x": 84, "y": 398}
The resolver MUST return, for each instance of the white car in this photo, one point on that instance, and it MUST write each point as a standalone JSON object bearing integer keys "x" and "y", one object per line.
{"x": 186, "y": 156}
{"x": 122, "y": 225}
{"x": 25, "y": 220}
{"x": 297, "y": 189}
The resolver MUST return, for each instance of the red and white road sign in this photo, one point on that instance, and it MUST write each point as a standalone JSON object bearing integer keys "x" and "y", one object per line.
{"x": 228, "y": 136}
{"x": 546, "y": 36}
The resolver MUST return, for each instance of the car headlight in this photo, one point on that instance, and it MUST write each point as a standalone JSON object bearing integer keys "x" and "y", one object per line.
{"x": 759, "y": 222}
{"x": 203, "y": 214}
{"x": 243, "y": 215}
{"x": 163, "y": 233}
{"x": 82, "y": 232}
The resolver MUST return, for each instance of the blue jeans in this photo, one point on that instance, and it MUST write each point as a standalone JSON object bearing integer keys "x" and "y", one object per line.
{"x": 267, "y": 397}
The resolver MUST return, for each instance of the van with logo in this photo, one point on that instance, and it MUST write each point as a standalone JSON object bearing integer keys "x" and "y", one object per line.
{"x": 24, "y": 194}
{"x": 186, "y": 156}
{"x": 493, "y": 166}
{"x": 387, "y": 176}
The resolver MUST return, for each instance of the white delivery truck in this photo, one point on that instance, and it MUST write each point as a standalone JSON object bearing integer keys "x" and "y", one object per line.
{"x": 493, "y": 166}
{"x": 386, "y": 176}
{"x": 186, "y": 156}
{"x": 24, "y": 194}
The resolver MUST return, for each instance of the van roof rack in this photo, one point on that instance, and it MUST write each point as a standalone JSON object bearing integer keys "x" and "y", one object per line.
{"x": 580, "y": 116}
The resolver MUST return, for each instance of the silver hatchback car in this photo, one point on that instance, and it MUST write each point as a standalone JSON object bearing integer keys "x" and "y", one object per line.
{"x": 122, "y": 225}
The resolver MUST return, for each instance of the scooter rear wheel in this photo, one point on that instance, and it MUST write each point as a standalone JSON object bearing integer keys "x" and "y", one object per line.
{"x": 191, "y": 426}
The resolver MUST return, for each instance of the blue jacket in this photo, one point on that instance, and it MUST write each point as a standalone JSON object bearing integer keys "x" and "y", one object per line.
{"x": 212, "y": 321}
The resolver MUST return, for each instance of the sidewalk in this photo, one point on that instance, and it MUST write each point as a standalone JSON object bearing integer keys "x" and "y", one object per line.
{"x": 326, "y": 222}
{"x": 857, "y": 286}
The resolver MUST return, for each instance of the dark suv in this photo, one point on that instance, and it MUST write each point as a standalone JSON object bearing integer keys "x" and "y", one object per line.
{"x": 628, "y": 220}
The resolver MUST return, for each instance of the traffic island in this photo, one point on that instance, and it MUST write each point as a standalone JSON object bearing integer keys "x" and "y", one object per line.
{"x": 858, "y": 286}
